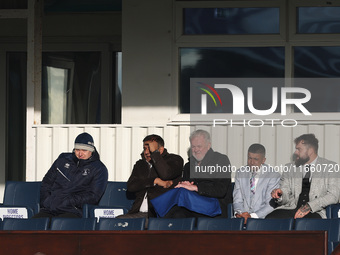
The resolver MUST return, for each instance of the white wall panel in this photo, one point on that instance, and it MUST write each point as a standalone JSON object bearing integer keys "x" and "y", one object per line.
{"x": 267, "y": 139}
{"x": 332, "y": 138}
{"x": 170, "y": 136}
{"x": 107, "y": 148}
{"x": 219, "y": 137}
{"x": 138, "y": 135}
{"x": 235, "y": 145}
{"x": 120, "y": 146}
{"x": 183, "y": 141}
{"x": 318, "y": 131}
{"x": 123, "y": 154}
{"x": 251, "y": 135}
{"x": 298, "y": 130}
{"x": 284, "y": 145}
{"x": 44, "y": 152}
{"x": 60, "y": 138}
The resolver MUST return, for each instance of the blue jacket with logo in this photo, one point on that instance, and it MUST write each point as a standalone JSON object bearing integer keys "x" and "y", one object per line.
{"x": 72, "y": 182}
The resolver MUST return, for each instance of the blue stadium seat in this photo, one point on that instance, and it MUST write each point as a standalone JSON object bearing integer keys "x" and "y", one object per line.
{"x": 171, "y": 224}
{"x": 332, "y": 226}
{"x": 220, "y": 224}
{"x": 73, "y": 224}
{"x": 115, "y": 196}
{"x": 270, "y": 224}
{"x": 25, "y": 224}
{"x": 121, "y": 224}
{"x": 332, "y": 211}
{"x": 230, "y": 209}
{"x": 22, "y": 195}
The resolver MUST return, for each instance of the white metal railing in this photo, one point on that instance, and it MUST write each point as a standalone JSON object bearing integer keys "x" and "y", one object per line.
{"x": 120, "y": 146}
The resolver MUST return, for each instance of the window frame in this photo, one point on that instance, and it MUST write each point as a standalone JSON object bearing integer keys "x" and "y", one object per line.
{"x": 107, "y": 90}
{"x": 67, "y": 65}
{"x": 288, "y": 38}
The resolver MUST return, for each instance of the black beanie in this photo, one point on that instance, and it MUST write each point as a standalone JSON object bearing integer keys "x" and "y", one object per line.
{"x": 84, "y": 141}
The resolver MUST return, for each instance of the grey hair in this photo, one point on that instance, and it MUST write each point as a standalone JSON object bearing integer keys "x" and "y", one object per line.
{"x": 201, "y": 132}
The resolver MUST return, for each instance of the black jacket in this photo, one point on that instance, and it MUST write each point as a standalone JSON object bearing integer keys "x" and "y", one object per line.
{"x": 165, "y": 166}
{"x": 72, "y": 182}
{"x": 212, "y": 187}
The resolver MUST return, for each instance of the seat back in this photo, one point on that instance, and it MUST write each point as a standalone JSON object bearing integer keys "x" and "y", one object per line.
{"x": 22, "y": 194}
{"x": 229, "y": 198}
{"x": 25, "y": 224}
{"x": 73, "y": 224}
{"x": 230, "y": 209}
{"x": 121, "y": 224}
{"x": 332, "y": 226}
{"x": 333, "y": 211}
{"x": 116, "y": 194}
{"x": 171, "y": 224}
{"x": 220, "y": 224}
{"x": 269, "y": 224}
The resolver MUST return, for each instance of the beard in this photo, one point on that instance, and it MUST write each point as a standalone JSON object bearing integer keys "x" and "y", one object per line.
{"x": 198, "y": 158}
{"x": 301, "y": 161}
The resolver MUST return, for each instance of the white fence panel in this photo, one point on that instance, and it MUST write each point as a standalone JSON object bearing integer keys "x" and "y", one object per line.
{"x": 120, "y": 146}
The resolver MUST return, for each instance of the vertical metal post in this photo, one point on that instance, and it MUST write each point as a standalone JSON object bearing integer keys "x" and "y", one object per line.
{"x": 34, "y": 55}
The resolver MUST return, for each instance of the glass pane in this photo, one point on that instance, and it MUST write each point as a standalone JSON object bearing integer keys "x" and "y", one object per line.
{"x": 57, "y": 88}
{"x": 208, "y": 21}
{"x": 320, "y": 62}
{"x": 71, "y": 82}
{"x": 16, "y": 116}
{"x": 117, "y": 83}
{"x": 317, "y": 61}
{"x": 247, "y": 62}
{"x": 318, "y": 20}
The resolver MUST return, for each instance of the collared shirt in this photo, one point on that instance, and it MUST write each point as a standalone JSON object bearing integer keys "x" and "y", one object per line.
{"x": 144, "y": 206}
{"x": 257, "y": 176}
{"x": 259, "y": 172}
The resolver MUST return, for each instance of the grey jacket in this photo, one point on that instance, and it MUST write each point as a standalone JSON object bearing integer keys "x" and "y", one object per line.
{"x": 261, "y": 203}
{"x": 324, "y": 188}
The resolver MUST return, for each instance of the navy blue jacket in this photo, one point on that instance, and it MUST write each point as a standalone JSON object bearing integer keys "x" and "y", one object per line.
{"x": 72, "y": 182}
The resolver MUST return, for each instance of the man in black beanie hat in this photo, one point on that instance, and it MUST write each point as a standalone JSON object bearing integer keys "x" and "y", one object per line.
{"x": 74, "y": 179}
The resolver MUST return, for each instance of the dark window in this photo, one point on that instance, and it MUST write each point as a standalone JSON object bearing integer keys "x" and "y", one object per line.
{"x": 237, "y": 62}
{"x": 16, "y": 116}
{"x": 320, "y": 62}
{"x": 318, "y": 20}
{"x": 209, "y": 21}
{"x": 71, "y": 88}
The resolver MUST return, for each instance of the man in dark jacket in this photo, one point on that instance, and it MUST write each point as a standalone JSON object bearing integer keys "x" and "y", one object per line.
{"x": 157, "y": 172}
{"x": 208, "y": 173}
{"x": 74, "y": 179}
